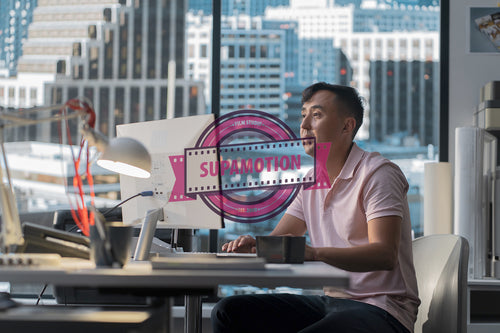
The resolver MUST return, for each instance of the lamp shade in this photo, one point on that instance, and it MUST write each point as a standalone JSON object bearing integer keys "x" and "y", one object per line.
{"x": 126, "y": 156}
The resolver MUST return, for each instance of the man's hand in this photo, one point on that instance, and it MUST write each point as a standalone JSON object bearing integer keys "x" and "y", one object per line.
{"x": 310, "y": 253}
{"x": 242, "y": 244}
{"x": 381, "y": 252}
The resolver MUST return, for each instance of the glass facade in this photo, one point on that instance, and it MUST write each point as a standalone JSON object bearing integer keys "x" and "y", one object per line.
{"x": 122, "y": 55}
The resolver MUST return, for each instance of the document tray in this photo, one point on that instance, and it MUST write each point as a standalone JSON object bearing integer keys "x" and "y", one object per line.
{"x": 42, "y": 239}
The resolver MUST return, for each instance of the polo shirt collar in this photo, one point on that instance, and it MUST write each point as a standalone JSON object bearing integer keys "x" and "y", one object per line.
{"x": 352, "y": 162}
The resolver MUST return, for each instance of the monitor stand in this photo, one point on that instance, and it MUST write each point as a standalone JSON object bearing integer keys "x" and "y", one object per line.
{"x": 147, "y": 233}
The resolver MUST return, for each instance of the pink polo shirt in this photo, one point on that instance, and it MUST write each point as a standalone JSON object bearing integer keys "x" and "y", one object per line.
{"x": 369, "y": 186}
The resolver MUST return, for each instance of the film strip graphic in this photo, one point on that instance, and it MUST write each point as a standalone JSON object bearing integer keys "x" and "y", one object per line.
{"x": 238, "y": 167}
{"x": 248, "y": 166}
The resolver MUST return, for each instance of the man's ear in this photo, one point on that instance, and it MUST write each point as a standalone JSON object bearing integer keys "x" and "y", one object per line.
{"x": 349, "y": 124}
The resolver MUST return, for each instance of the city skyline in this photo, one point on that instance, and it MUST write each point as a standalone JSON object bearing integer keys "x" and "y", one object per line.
{"x": 314, "y": 45}
{"x": 125, "y": 56}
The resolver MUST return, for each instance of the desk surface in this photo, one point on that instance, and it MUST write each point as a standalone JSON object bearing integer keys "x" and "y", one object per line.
{"x": 485, "y": 282}
{"x": 141, "y": 275}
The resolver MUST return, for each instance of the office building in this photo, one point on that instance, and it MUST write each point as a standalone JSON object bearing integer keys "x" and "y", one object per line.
{"x": 199, "y": 51}
{"x": 337, "y": 24}
{"x": 237, "y": 7}
{"x": 252, "y": 62}
{"x": 252, "y": 66}
{"x": 341, "y": 74}
{"x": 365, "y": 48}
{"x": 122, "y": 59}
{"x": 292, "y": 64}
{"x": 326, "y": 17}
{"x": 395, "y": 17}
{"x": 404, "y": 102}
{"x": 15, "y": 17}
{"x": 293, "y": 105}
{"x": 320, "y": 61}
{"x": 123, "y": 55}
{"x": 390, "y": 3}
{"x": 268, "y": 52}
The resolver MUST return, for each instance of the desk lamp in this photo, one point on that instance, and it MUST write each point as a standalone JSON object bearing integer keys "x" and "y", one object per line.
{"x": 123, "y": 155}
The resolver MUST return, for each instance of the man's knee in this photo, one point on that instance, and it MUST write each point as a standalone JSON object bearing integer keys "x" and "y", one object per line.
{"x": 228, "y": 303}
{"x": 219, "y": 310}
{"x": 227, "y": 311}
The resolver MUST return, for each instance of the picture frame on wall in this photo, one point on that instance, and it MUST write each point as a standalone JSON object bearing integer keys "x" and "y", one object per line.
{"x": 484, "y": 30}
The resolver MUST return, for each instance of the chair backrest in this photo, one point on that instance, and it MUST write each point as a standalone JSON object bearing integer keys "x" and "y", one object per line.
{"x": 441, "y": 268}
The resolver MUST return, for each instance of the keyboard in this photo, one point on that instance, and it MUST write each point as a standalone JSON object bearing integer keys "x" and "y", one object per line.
{"x": 180, "y": 254}
{"x": 207, "y": 255}
{"x": 203, "y": 260}
{"x": 236, "y": 255}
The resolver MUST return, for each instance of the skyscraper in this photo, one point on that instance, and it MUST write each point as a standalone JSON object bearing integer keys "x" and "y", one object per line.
{"x": 237, "y": 7}
{"x": 411, "y": 86}
{"x": 120, "y": 54}
{"x": 260, "y": 61}
{"x": 362, "y": 43}
{"x": 15, "y": 17}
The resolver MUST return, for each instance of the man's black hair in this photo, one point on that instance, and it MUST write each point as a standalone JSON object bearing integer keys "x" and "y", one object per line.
{"x": 348, "y": 97}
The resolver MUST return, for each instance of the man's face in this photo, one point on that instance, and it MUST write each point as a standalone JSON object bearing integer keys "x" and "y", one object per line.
{"x": 321, "y": 119}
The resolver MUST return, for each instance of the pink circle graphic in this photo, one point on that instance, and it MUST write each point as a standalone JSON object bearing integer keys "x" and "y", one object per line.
{"x": 250, "y": 125}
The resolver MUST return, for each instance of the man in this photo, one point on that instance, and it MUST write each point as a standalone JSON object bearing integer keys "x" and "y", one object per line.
{"x": 360, "y": 224}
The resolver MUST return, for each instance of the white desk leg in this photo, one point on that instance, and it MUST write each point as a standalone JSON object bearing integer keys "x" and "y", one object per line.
{"x": 192, "y": 319}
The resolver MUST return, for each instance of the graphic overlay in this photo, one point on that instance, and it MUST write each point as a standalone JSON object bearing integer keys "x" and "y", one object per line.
{"x": 260, "y": 167}
{"x": 263, "y": 163}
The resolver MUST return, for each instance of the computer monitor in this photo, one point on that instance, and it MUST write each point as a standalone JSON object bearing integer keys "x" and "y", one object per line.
{"x": 165, "y": 139}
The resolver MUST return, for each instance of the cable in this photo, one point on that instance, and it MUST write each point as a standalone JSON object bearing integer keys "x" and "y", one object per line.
{"x": 41, "y": 294}
{"x": 74, "y": 228}
{"x": 142, "y": 194}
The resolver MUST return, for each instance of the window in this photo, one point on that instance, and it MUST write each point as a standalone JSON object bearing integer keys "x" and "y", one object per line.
{"x": 263, "y": 51}
{"x": 203, "y": 51}
{"x": 33, "y": 96}
{"x": 373, "y": 62}
{"x": 123, "y": 63}
{"x": 253, "y": 51}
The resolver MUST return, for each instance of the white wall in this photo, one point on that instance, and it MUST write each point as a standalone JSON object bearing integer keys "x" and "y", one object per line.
{"x": 469, "y": 71}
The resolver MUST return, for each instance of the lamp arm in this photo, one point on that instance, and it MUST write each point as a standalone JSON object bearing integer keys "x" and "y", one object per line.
{"x": 95, "y": 138}
{"x": 20, "y": 121}
{"x": 11, "y": 233}
{"x": 10, "y": 227}
{"x": 20, "y": 118}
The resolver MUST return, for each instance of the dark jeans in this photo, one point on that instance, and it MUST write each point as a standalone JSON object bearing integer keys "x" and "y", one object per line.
{"x": 279, "y": 313}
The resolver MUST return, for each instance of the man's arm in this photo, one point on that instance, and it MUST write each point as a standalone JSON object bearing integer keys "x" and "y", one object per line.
{"x": 288, "y": 225}
{"x": 381, "y": 252}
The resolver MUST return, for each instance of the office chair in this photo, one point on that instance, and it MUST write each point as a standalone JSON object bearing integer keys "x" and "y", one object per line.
{"x": 441, "y": 267}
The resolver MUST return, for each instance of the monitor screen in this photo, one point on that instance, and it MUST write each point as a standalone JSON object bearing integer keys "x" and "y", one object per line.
{"x": 165, "y": 140}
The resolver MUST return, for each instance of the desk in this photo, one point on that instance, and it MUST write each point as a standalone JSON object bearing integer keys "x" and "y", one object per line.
{"x": 140, "y": 276}
{"x": 483, "y": 310}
